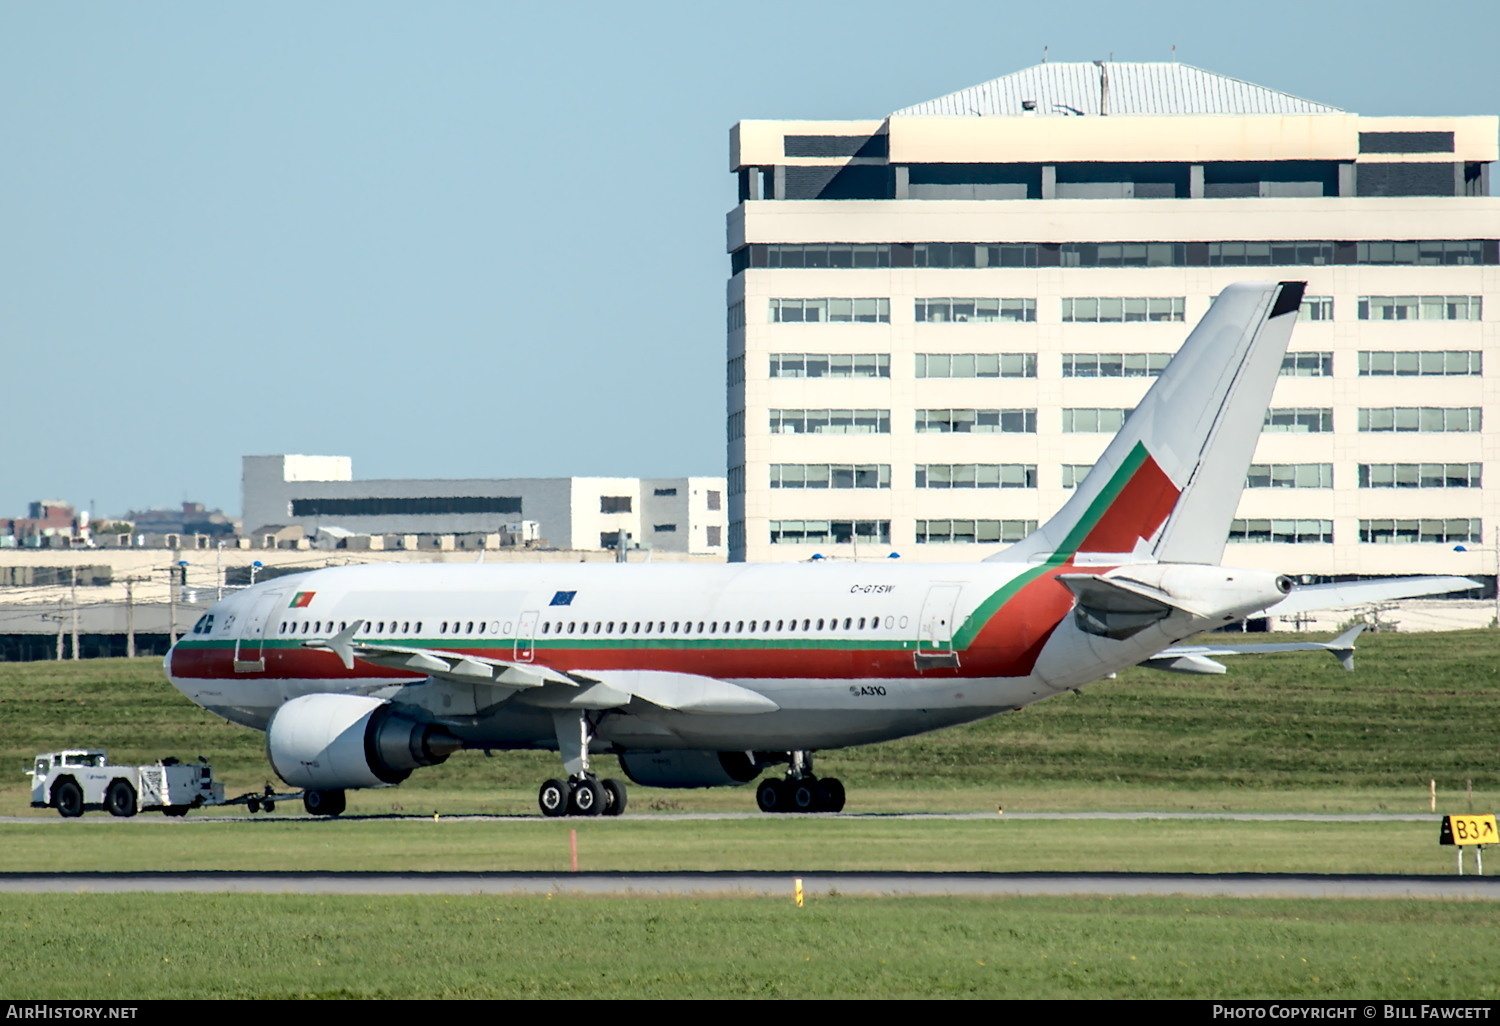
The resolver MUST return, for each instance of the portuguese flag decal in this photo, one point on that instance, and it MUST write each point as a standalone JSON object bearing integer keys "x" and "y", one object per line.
{"x": 301, "y": 600}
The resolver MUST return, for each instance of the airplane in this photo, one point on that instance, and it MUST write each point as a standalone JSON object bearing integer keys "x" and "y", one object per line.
{"x": 700, "y": 675}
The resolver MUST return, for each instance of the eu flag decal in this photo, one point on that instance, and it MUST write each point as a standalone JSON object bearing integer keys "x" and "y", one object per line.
{"x": 563, "y": 598}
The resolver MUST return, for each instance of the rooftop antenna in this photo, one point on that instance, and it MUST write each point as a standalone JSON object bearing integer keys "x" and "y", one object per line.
{"x": 1174, "y": 53}
{"x": 1044, "y": 54}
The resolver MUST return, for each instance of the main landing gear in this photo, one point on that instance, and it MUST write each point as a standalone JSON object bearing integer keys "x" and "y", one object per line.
{"x": 587, "y": 796}
{"x": 800, "y": 790}
{"x": 582, "y": 793}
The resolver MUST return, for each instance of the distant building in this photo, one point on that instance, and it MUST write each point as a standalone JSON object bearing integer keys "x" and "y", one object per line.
{"x": 320, "y": 493}
{"x": 50, "y": 523}
{"x": 938, "y": 318}
{"x": 193, "y": 518}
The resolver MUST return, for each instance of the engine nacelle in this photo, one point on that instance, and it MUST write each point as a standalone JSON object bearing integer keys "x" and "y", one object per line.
{"x": 691, "y": 769}
{"x": 330, "y": 742}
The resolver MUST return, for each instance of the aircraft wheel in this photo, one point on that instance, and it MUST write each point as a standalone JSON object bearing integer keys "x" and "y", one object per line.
{"x": 804, "y": 795}
{"x": 772, "y": 796}
{"x": 270, "y": 806}
{"x": 119, "y": 798}
{"x": 253, "y": 805}
{"x": 830, "y": 795}
{"x": 614, "y": 794}
{"x": 176, "y": 810}
{"x": 321, "y": 803}
{"x": 588, "y": 798}
{"x": 554, "y": 797}
{"x": 67, "y": 796}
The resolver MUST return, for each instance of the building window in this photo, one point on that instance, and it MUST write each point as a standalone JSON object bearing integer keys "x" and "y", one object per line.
{"x": 1317, "y": 308}
{"x": 1298, "y": 420}
{"x": 1290, "y": 475}
{"x": 1269, "y": 254}
{"x": 714, "y": 536}
{"x": 1421, "y": 475}
{"x": 614, "y": 504}
{"x": 830, "y": 475}
{"x": 1424, "y": 363}
{"x": 736, "y": 480}
{"x": 1425, "y": 252}
{"x": 830, "y": 254}
{"x": 830, "y": 311}
{"x": 735, "y": 425}
{"x": 1110, "y": 310}
{"x": 430, "y": 505}
{"x": 664, "y": 528}
{"x": 1123, "y": 254}
{"x": 969, "y": 254}
{"x": 830, "y": 365}
{"x": 734, "y": 372}
{"x": 1282, "y": 532}
{"x": 1424, "y": 419}
{"x": 737, "y": 315}
{"x": 976, "y": 422}
{"x": 830, "y": 532}
{"x": 976, "y": 475}
{"x": 1090, "y": 420}
{"x": 1441, "y": 531}
{"x": 1307, "y": 365}
{"x": 959, "y": 311}
{"x": 830, "y": 422}
{"x": 1420, "y": 308}
{"x": 972, "y": 532}
{"x": 661, "y": 492}
{"x": 1114, "y": 365}
{"x": 1074, "y": 473}
{"x": 976, "y": 365}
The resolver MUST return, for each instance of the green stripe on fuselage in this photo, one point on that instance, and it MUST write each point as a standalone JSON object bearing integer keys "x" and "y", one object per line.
{"x": 987, "y": 609}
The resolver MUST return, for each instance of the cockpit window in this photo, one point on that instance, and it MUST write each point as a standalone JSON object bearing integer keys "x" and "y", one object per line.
{"x": 205, "y": 624}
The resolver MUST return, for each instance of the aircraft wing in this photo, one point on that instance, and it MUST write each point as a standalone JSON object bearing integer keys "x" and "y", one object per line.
{"x": 1201, "y": 658}
{"x": 459, "y": 667}
{"x": 683, "y": 692}
{"x": 1353, "y": 593}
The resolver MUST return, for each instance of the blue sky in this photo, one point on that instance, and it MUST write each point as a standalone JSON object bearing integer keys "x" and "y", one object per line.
{"x": 480, "y": 239}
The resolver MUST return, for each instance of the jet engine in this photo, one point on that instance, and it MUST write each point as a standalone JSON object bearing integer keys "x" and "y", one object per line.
{"x": 691, "y": 768}
{"x": 328, "y": 742}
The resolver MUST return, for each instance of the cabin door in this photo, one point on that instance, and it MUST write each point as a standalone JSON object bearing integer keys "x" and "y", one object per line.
{"x": 250, "y": 647}
{"x": 525, "y": 637}
{"x": 935, "y": 627}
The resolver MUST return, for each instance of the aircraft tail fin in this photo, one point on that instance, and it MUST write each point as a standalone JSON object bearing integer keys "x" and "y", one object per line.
{"x": 1166, "y": 488}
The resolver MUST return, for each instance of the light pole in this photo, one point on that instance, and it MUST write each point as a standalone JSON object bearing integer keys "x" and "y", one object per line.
{"x": 1495, "y": 548}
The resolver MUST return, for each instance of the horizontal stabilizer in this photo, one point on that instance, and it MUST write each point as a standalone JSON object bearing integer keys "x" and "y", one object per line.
{"x": 1193, "y": 662}
{"x": 1341, "y": 647}
{"x": 1354, "y": 593}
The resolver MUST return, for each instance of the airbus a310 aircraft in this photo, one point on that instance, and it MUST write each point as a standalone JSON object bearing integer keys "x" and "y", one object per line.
{"x": 697, "y": 675}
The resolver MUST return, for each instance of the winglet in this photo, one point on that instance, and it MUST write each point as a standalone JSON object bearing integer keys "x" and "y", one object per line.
{"x": 341, "y": 644}
{"x": 1342, "y": 646}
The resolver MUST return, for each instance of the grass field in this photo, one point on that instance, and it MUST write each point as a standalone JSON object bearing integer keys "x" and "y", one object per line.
{"x": 773, "y": 843}
{"x": 1291, "y": 732}
{"x": 1288, "y": 733}
{"x": 290, "y": 946}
